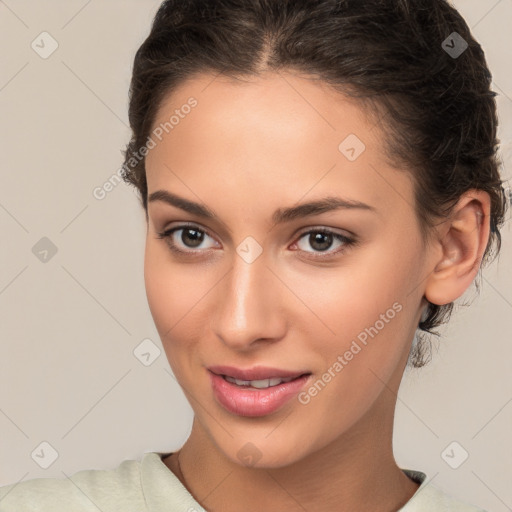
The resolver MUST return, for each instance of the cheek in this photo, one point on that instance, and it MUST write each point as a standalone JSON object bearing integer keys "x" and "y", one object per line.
{"x": 159, "y": 287}
{"x": 368, "y": 308}
{"x": 167, "y": 290}
{"x": 175, "y": 294}
{"x": 354, "y": 295}
{"x": 370, "y": 319}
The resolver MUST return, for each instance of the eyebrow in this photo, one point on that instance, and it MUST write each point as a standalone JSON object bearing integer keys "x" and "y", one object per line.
{"x": 280, "y": 216}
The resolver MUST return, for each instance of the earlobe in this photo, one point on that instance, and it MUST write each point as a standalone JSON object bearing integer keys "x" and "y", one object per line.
{"x": 462, "y": 240}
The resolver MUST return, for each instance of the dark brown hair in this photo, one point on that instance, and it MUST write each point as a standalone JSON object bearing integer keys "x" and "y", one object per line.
{"x": 439, "y": 111}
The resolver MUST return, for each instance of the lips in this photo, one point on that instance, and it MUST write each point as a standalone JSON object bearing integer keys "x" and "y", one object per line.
{"x": 249, "y": 401}
{"x": 254, "y": 393}
{"x": 256, "y": 373}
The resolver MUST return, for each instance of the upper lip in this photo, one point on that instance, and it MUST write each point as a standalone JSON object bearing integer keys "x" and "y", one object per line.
{"x": 256, "y": 372}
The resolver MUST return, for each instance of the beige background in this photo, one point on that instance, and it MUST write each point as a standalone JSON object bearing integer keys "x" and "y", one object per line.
{"x": 68, "y": 327}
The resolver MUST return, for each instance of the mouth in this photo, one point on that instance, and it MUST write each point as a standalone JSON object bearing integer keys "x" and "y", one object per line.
{"x": 258, "y": 377}
{"x": 257, "y": 391}
{"x": 261, "y": 383}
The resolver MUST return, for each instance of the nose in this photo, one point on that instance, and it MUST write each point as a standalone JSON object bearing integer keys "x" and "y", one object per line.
{"x": 249, "y": 309}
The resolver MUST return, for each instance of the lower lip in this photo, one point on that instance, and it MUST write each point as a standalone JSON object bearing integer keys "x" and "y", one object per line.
{"x": 246, "y": 401}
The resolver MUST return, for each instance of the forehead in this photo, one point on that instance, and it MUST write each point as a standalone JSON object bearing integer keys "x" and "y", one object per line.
{"x": 277, "y": 130}
{"x": 283, "y": 103}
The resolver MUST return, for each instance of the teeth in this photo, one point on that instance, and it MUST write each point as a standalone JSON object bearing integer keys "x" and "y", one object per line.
{"x": 259, "y": 384}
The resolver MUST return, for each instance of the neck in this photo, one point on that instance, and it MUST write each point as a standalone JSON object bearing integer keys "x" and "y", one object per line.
{"x": 357, "y": 471}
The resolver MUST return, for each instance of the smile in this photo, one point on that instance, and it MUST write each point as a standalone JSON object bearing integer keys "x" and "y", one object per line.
{"x": 258, "y": 397}
{"x": 257, "y": 384}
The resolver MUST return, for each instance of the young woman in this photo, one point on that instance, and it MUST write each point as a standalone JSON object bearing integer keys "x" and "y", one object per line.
{"x": 320, "y": 184}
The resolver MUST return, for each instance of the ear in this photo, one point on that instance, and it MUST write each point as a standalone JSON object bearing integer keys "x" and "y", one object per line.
{"x": 460, "y": 245}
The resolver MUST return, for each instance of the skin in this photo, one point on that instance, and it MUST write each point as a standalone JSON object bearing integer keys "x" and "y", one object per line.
{"x": 247, "y": 149}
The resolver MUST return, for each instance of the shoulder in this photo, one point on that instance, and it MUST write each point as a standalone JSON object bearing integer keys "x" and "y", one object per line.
{"x": 428, "y": 497}
{"x": 84, "y": 491}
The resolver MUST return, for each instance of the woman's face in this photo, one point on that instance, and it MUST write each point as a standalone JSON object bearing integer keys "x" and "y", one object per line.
{"x": 252, "y": 286}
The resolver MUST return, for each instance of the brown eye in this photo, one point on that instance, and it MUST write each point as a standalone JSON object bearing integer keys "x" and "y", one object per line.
{"x": 321, "y": 240}
{"x": 190, "y": 238}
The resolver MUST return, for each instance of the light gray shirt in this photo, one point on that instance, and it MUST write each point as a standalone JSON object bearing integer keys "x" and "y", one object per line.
{"x": 148, "y": 485}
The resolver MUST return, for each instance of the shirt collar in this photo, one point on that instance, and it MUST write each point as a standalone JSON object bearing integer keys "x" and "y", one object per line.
{"x": 163, "y": 491}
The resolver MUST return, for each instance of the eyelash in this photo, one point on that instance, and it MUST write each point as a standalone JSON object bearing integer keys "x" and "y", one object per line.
{"x": 347, "y": 242}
